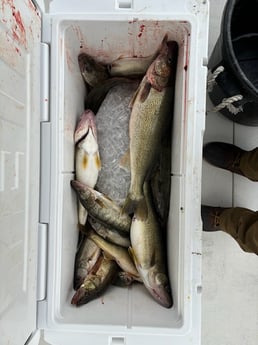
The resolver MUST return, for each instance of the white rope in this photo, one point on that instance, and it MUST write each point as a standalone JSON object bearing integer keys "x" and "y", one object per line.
{"x": 212, "y": 77}
{"x": 227, "y": 103}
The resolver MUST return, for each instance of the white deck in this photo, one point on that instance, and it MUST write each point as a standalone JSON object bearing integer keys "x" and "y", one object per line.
{"x": 230, "y": 276}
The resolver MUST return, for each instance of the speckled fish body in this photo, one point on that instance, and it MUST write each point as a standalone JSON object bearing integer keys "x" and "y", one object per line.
{"x": 101, "y": 207}
{"x": 110, "y": 234}
{"x": 151, "y": 114}
{"x": 86, "y": 257}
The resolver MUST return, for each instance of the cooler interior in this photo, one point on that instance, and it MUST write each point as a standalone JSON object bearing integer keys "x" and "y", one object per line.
{"x": 131, "y": 307}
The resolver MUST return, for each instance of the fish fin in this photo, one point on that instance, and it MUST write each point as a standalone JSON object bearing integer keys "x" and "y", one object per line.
{"x": 133, "y": 256}
{"x": 134, "y": 96}
{"x": 144, "y": 88}
{"x": 107, "y": 256}
{"x": 81, "y": 228}
{"x": 145, "y": 91}
{"x": 124, "y": 161}
{"x": 141, "y": 211}
{"x": 82, "y": 214}
{"x": 138, "y": 207}
{"x": 100, "y": 203}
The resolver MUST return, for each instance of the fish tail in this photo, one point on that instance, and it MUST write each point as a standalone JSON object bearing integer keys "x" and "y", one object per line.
{"x": 136, "y": 206}
{"x": 82, "y": 214}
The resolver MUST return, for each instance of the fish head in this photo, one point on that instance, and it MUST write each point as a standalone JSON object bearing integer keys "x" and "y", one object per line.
{"x": 86, "y": 63}
{"x": 87, "y": 68}
{"x": 78, "y": 278}
{"x": 160, "y": 71}
{"x": 158, "y": 285}
{"x": 80, "y": 188}
{"x": 92, "y": 71}
{"x": 85, "y": 125}
{"x": 84, "y": 294}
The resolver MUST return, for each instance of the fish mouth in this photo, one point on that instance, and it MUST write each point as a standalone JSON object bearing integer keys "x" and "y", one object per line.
{"x": 162, "y": 296}
{"x": 85, "y": 124}
{"x": 160, "y": 290}
{"x": 82, "y": 297}
{"x": 76, "y": 185}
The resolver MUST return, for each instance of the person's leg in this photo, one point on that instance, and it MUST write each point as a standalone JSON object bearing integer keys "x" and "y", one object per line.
{"x": 232, "y": 158}
{"x": 249, "y": 164}
{"x": 240, "y": 223}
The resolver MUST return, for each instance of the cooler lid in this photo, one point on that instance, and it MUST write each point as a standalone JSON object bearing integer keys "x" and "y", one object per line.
{"x": 20, "y": 26}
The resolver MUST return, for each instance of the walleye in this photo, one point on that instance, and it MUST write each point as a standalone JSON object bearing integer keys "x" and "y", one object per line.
{"x": 85, "y": 259}
{"x": 151, "y": 115}
{"x": 101, "y": 208}
{"x": 149, "y": 255}
{"x": 130, "y": 66}
{"x": 87, "y": 160}
{"x": 100, "y": 277}
{"x": 117, "y": 253}
{"x": 133, "y": 66}
{"x": 111, "y": 234}
{"x": 93, "y": 72}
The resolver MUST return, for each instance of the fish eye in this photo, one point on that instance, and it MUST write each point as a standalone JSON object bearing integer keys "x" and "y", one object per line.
{"x": 170, "y": 61}
{"x": 88, "y": 68}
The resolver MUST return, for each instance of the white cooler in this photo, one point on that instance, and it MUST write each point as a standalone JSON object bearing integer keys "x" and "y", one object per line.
{"x": 42, "y": 96}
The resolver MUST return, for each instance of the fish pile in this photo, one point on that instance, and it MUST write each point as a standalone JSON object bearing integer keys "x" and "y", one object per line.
{"x": 122, "y": 174}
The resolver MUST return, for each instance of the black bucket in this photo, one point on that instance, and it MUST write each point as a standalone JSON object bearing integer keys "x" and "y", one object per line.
{"x": 233, "y": 81}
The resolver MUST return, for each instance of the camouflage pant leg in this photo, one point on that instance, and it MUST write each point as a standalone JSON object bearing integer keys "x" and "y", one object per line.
{"x": 242, "y": 225}
{"x": 249, "y": 164}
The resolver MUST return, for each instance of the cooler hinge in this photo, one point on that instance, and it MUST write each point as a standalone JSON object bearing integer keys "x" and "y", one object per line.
{"x": 42, "y": 261}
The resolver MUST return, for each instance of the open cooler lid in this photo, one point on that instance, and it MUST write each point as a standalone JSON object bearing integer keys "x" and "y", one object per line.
{"x": 20, "y": 33}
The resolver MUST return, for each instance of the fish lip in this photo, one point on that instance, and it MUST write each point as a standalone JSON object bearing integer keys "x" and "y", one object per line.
{"x": 162, "y": 297}
{"x": 77, "y": 185}
{"x": 160, "y": 292}
{"x": 85, "y": 124}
